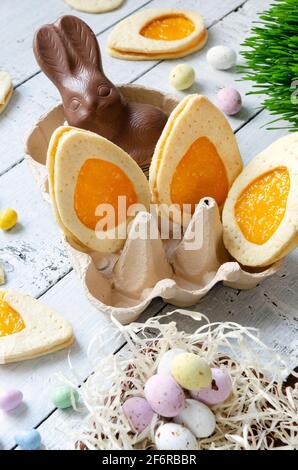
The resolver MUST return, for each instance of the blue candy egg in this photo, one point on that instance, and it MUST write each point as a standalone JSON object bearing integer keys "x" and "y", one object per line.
{"x": 28, "y": 440}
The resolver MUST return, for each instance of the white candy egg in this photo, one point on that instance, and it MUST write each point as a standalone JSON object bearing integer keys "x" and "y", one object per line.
{"x": 165, "y": 364}
{"x": 172, "y": 436}
{"x": 198, "y": 418}
{"x": 221, "y": 57}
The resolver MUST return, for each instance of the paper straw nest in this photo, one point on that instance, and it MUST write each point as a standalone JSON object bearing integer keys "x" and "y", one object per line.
{"x": 261, "y": 414}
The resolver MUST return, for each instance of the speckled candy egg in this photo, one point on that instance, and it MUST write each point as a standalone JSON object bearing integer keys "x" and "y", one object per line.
{"x": 221, "y": 57}
{"x": 219, "y": 390}
{"x": 164, "y": 395}
{"x": 65, "y": 397}
{"x": 28, "y": 440}
{"x": 172, "y": 436}
{"x": 229, "y": 101}
{"x": 165, "y": 363}
{"x": 10, "y": 399}
{"x": 191, "y": 371}
{"x": 198, "y": 418}
{"x": 182, "y": 77}
{"x": 138, "y": 413}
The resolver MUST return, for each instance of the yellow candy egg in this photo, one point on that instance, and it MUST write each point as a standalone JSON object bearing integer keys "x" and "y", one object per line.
{"x": 191, "y": 371}
{"x": 8, "y": 218}
{"x": 182, "y": 77}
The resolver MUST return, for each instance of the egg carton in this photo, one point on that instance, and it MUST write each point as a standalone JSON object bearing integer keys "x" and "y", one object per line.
{"x": 180, "y": 272}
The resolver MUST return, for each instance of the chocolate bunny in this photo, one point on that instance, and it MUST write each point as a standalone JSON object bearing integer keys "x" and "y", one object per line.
{"x": 68, "y": 53}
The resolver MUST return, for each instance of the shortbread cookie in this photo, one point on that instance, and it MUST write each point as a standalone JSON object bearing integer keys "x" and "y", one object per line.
{"x": 158, "y": 33}
{"x": 197, "y": 156}
{"x": 260, "y": 216}
{"x": 30, "y": 329}
{"x": 94, "y": 6}
{"x": 86, "y": 172}
{"x": 6, "y": 90}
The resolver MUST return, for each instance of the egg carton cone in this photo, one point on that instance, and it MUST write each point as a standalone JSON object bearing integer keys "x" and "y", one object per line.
{"x": 181, "y": 271}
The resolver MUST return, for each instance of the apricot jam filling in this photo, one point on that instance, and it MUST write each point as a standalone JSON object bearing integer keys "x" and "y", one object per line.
{"x": 10, "y": 321}
{"x": 200, "y": 173}
{"x": 101, "y": 182}
{"x": 168, "y": 28}
{"x": 261, "y": 207}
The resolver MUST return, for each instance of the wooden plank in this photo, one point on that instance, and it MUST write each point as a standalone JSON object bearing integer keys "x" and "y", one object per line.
{"x": 37, "y": 378}
{"x": 20, "y": 21}
{"x": 262, "y": 309}
{"x": 230, "y": 31}
{"x": 38, "y": 235}
{"x": 43, "y": 224}
{"x": 120, "y": 71}
{"x": 38, "y": 95}
{"x": 252, "y": 309}
{"x": 34, "y": 260}
{"x": 271, "y": 307}
{"x": 255, "y": 136}
{"x": 32, "y": 252}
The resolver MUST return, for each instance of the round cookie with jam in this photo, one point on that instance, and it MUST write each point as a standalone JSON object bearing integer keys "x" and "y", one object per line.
{"x": 158, "y": 33}
{"x": 260, "y": 217}
{"x": 94, "y": 6}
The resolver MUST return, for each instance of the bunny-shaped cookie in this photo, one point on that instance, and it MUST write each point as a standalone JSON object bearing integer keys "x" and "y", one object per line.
{"x": 68, "y": 53}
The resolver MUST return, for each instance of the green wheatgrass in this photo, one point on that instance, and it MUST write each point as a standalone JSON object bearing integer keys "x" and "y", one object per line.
{"x": 271, "y": 55}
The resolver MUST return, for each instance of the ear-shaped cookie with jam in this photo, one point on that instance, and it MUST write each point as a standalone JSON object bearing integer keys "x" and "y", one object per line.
{"x": 197, "y": 156}
{"x": 260, "y": 216}
{"x": 29, "y": 329}
{"x": 87, "y": 177}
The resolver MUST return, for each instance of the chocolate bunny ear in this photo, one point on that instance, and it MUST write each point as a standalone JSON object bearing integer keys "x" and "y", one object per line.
{"x": 50, "y": 54}
{"x": 80, "y": 43}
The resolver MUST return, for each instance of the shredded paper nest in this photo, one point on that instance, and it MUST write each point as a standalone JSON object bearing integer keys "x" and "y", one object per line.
{"x": 261, "y": 414}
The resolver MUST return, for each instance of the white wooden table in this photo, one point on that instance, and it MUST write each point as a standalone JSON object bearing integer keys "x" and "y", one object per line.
{"x": 33, "y": 256}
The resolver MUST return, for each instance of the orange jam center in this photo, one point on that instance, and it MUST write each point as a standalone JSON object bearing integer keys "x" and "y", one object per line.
{"x": 10, "y": 320}
{"x": 262, "y": 205}
{"x": 200, "y": 173}
{"x": 101, "y": 182}
{"x": 168, "y": 28}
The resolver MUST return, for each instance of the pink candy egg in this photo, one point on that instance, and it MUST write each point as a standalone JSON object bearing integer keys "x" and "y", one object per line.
{"x": 10, "y": 400}
{"x": 229, "y": 101}
{"x": 164, "y": 395}
{"x": 138, "y": 413}
{"x": 218, "y": 392}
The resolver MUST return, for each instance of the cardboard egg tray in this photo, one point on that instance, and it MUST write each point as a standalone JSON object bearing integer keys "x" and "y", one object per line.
{"x": 124, "y": 284}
